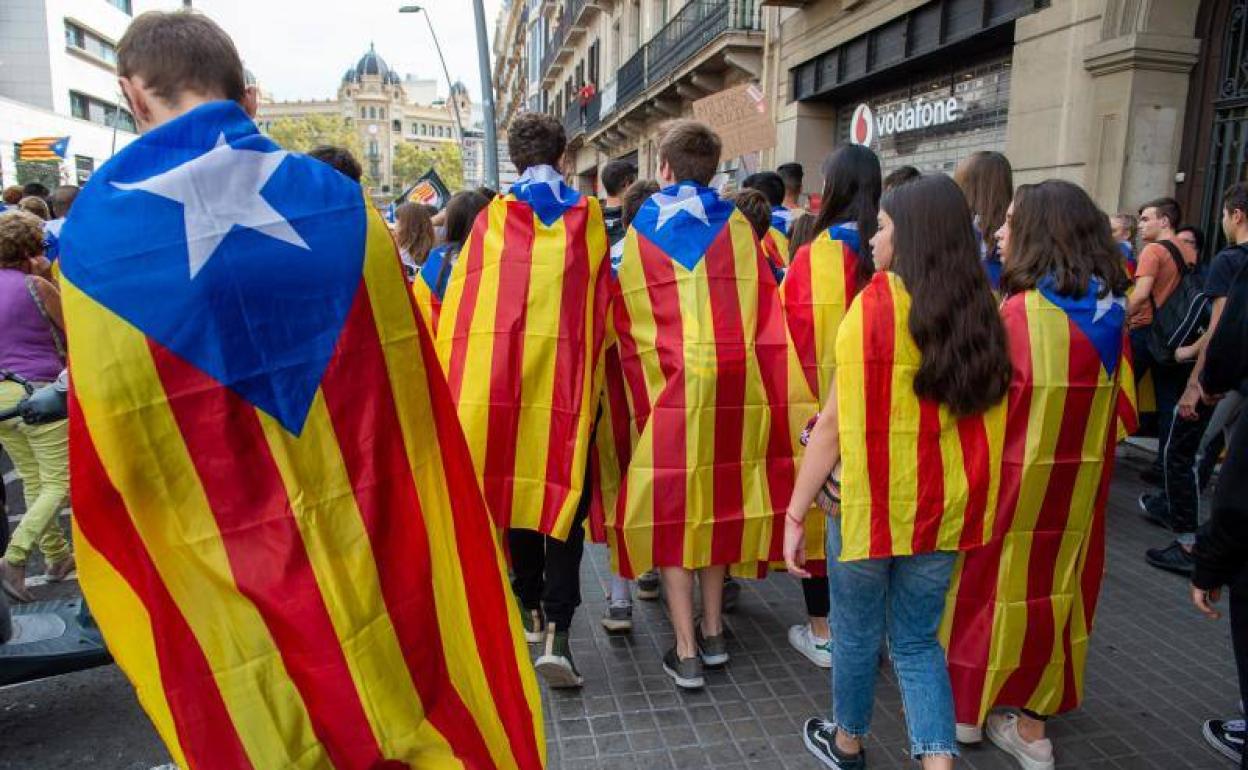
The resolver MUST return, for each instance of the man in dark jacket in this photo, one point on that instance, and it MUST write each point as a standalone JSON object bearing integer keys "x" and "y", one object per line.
{"x": 616, "y": 177}
{"x": 1221, "y": 552}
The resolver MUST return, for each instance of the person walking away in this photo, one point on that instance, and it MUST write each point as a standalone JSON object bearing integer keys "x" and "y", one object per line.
{"x": 340, "y": 159}
{"x": 823, "y": 280}
{"x": 1221, "y": 551}
{"x": 413, "y": 236}
{"x": 62, "y": 200}
{"x": 776, "y": 240}
{"x": 1123, "y": 226}
{"x": 708, "y": 475}
{"x": 1178, "y": 506}
{"x": 32, "y": 354}
{"x": 521, "y": 335}
{"x": 616, "y": 177}
{"x": 429, "y": 287}
{"x": 1021, "y": 608}
{"x": 793, "y": 175}
{"x": 901, "y": 175}
{"x": 922, "y": 369}
{"x": 988, "y": 183}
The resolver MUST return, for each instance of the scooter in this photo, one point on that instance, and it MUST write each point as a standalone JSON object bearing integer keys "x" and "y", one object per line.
{"x": 58, "y": 636}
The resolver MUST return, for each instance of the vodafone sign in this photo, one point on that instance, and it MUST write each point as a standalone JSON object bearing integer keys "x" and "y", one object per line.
{"x": 865, "y": 125}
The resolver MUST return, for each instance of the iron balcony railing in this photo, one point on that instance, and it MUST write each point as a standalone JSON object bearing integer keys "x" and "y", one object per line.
{"x": 577, "y": 121}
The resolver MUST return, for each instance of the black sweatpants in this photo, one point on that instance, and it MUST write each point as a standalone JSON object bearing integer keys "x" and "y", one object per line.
{"x": 547, "y": 572}
{"x": 1183, "y": 475}
{"x": 818, "y": 600}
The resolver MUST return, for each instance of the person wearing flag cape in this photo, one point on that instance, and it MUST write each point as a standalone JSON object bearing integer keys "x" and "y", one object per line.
{"x": 911, "y": 437}
{"x": 823, "y": 278}
{"x": 1020, "y": 609}
{"x": 705, "y": 362}
{"x": 521, "y": 333}
{"x": 277, "y": 523}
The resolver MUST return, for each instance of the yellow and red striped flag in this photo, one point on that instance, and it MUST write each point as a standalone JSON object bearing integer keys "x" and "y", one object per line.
{"x": 1021, "y": 608}
{"x": 521, "y": 334}
{"x": 715, "y": 413}
{"x": 43, "y": 148}
{"x": 914, "y": 478}
{"x": 278, "y": 526}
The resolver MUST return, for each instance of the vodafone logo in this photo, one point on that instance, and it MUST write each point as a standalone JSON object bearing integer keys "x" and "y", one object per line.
{"x": 862, "y": 126}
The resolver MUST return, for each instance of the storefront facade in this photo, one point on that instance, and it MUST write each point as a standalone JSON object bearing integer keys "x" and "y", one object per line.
{"x": 1105, "y": 93}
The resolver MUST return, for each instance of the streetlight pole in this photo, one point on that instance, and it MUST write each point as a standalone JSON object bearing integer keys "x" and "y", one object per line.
{"x": 450, "y": 85}
{"x": 487, "y": 97}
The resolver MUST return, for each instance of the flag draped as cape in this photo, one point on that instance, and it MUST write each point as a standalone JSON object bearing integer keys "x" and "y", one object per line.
{"x": 1021, "y": 608}
{"x": 705, "y": 373}
{"x": 521, "y": 332}
{"x": 914, "y": 477}
{"x": 277, "y": 523}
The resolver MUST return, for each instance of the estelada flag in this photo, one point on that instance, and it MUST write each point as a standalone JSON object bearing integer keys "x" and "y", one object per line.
{"x": 915, "y": 478}
{"x": 705, "y": 360}
{"x": 520, "y": 336}
{"x": 429, "y": 190}
{"x": 1021, "y": 608}
{"x": 430, "y": 284}
{"x": 817, "y": 290}
{"x": 277, "y": 523}
{"x": 777, "y": 238}
{"x": 775, "y": 253}
{"x": 43, "y": 148}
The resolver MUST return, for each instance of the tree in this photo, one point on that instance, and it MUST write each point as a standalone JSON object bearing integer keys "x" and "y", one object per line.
{"x": 411, "y": 162}
{"x": 304, "y": 133}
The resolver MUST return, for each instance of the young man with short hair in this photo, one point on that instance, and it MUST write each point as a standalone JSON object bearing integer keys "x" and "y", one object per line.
{"x": 521, "y": 335}
{"x": 775, "y": 241}
{"x": 1185, "y": 473}
{"x": 340, "y": 158}
{"x": 61, "y": 200}
{"x": 700, "y": 328}
{"x": 792, "y": 174}
{"x": 616, "y": 177}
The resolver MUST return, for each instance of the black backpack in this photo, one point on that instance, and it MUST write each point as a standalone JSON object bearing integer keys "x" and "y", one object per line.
{"x": 1184, "y": 316}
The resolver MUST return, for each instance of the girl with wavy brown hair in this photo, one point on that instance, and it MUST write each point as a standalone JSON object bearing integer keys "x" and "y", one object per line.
{"x": 909, "y": 446}
{"x": 987, "y": 181}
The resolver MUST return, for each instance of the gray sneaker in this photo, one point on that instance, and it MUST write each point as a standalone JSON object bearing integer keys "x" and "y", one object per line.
{"x": 618, "y": 618}
{"x": 648, "y": 585}
{"x": 712, "y": 649}
{"x": 685, "y": 672}
{"x": 555, "y": 665}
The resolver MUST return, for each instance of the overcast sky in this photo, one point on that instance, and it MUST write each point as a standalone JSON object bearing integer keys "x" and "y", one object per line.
{"x": 299, "y": 49}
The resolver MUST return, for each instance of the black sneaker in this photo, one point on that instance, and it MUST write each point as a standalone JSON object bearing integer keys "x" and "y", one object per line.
{"x": 1227, "y": 736}
{"x": 1154, "y": 509}
{"x": 732, "y": 594}
{"x": 1153, "y": 475}
{"x": 648, "y": 585}
{"x": 555, "y": 665}
{"x": 685, "y": 672}
{"x": 820, "y": 739}
{"x": 1172, "y": 558}
{"x": 713, "y": 650}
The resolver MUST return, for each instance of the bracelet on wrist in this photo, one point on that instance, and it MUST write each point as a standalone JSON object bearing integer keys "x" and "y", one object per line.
{"x": 793, "y": 518}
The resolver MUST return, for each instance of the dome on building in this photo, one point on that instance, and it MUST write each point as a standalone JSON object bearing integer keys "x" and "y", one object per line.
{"x": 371, "y": 64}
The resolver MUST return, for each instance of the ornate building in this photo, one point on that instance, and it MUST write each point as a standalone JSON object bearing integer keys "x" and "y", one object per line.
{"x": 375, "y": 99}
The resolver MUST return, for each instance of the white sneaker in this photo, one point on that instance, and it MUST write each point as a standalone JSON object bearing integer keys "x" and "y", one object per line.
{"x": 816, "y": 650}
{"x": 969, "y": 735}
{"x": 1003, "y": 731}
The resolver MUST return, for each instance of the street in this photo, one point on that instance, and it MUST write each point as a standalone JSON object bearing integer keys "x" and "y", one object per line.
{"x": 1156, "y": 671}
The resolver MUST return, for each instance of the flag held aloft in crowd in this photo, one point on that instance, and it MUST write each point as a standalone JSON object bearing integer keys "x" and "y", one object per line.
{"x": 265, "y": 461}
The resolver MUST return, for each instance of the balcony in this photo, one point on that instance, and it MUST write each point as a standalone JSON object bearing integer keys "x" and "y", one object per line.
{"x": 572, "y": 23}
{"x": 576, "y": 123}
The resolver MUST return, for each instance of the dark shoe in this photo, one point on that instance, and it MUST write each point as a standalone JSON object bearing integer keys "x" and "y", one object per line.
{"x": 618, "y": 618}
{"x": 685, "y": 672}
{"x": 820, "y": 739}
{"x": 534, "y": 624}
{"x": 1154, "y": 509}
{"x": 61, "y": 571}
{"x": 555, "y": 665}
{"x": 1153, "y": 475}
{"x": 13, "y": 581}
{"x": 712, "y": 649}
{"x": 732, "y": 594}
{"x": 1172, "y": 558}
{"x": 648, "y": 585}
{"x": 1227, "y": 736}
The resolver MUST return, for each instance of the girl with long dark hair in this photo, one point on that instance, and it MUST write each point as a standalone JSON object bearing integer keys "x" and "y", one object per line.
{"x": 987, "y": 181}
{"x": 910, "y": 442}
{"x": 430, "y": 284}
{"x": 821, "y": 282}
{"x": 1015, "y": 642}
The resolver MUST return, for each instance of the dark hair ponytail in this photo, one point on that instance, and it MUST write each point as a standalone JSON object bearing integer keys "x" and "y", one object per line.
{"x": 953, "y": 315}
{"x": 851, "y": 190}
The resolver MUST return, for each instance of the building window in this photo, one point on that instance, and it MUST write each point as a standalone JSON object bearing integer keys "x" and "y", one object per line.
{"x": 383, "y": 113}
{"x": 363, "y": 113}
{"x": 81, "y": 39}
{"x": 372, "y": 149}
{"x": 414, "y": 129}
{"x": 100, "y": 111}
{"x": 122, "y": 5}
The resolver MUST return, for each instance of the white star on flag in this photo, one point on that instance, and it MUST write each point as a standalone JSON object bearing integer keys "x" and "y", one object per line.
{"x": 543, "y": 175}
{"x": 686, "y": 199}
{"x": 1105, "y": 304}
{"x": 218, "y": 190}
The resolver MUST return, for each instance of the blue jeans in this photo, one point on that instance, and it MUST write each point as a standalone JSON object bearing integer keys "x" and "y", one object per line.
{"x": 908, "y": 594}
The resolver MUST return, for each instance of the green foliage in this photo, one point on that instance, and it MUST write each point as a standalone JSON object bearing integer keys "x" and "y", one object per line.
{"x": 410, "y": 162}
{"x": 304, "y": 133}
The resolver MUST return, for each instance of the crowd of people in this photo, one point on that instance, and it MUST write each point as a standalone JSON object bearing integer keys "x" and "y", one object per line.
{"x": 909, "y": 398}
